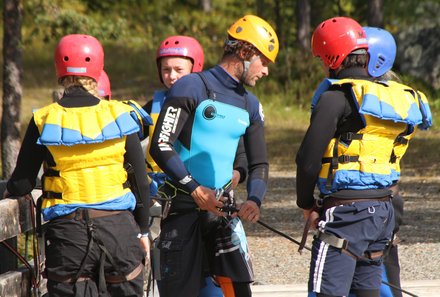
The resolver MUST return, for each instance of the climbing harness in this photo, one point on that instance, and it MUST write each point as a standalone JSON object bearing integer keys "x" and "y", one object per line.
{"x": 340, "y": 242}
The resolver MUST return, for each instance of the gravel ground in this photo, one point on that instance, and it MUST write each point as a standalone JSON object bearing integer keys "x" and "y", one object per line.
{"x": 276, "y": 260}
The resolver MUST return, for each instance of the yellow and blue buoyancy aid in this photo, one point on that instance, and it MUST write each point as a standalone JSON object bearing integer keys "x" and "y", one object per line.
{"x": 141, "y": 117}
{"x": 402, "y": 141}
{"x": 88, "y": 146}
{"x": 157, "y": 103}
{"x": 361, "y": 160}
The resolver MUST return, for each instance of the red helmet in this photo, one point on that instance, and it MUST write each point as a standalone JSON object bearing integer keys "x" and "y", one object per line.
{"x": 104, "y": 89}
{"x": 336, "y": 38}
{"x": 80, "y": 55}
{"x": 181, "y": 46}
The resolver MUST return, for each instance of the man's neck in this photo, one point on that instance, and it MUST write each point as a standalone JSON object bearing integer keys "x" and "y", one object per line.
{"x": 233, "y": 67}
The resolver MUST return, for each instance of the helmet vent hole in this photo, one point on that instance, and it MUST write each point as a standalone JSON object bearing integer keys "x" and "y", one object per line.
{"x": 239, "y": 29}
{"x": 380, "y": 61}
{"x": 176, "y": 42}
{"x": 87, "y": 59}
{"x": 166, "y": 43}
{"x": 66, "y": 58}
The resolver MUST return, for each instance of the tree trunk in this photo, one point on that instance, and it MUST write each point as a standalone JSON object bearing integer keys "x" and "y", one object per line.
{"x": 206, "y": 5}
{"x": 303, "y": 24}
{"x": 375, "y": 13}
{"x": 261, "y": 7}
{"x": 279, "y": 23}
{"x": 12, "y": 90}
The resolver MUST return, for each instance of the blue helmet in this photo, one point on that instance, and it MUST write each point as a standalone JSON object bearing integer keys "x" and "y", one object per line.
{"x": 382, "y": 49}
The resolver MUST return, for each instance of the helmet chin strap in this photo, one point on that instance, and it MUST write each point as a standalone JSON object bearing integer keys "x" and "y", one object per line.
{"x": 246, "y": 65}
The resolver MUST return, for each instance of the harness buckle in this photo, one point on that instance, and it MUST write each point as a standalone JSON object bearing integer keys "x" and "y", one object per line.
{"x": 344, "y": 159}
{"x": 333, "y": 240}
{"x": 219, "y": 193}
{"x": 347, "y": 136}
{"x": 319, "y": 202}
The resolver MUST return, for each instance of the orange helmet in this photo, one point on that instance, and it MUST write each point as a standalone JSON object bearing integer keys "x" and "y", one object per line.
{"x": 257, "y": 32}
{"x": 80, "y": 55}
{"x": 336, "y": 38}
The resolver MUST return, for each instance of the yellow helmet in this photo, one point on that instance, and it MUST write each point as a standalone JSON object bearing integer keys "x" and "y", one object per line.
{"x": 257, "y": 32}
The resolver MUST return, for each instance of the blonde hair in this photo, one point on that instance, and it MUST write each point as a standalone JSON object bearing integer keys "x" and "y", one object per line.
{"x": 88, "y": 83}
{"x": 390, "y": 75}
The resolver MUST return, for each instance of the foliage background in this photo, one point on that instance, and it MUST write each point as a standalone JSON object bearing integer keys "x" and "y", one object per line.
{"x": 131, "y": 30}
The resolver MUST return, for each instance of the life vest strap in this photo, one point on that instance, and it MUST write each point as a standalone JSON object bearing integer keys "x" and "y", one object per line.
{"x": 52, "y": 195}
{"x": 349, "y": 136}
{"x": 49, "y": 172}
{"x": 341, "y": 159}
{"x": 401, "y": 140}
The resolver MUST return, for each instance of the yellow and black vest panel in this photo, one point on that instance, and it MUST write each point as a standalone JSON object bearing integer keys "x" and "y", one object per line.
{"x": 361, "y": 160}
{"x": 88, "y": 146}
{"x": 158, "y": 100}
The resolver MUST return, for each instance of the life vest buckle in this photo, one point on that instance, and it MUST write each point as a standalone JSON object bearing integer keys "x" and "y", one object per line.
{"x": 401, "y": 140}
{"x": 344, "y": 159}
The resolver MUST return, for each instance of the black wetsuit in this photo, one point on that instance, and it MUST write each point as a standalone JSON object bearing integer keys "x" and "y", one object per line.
{"x": 195, "y": 143}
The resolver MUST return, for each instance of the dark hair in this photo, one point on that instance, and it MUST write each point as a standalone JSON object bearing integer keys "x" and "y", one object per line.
{"x": 233, "y": 47}
{"x": 355, "y": 60}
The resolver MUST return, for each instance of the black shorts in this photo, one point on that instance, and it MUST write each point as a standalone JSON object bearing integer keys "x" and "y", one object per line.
{"x": 66, "y": 246}
{"x": 195, "y": 244}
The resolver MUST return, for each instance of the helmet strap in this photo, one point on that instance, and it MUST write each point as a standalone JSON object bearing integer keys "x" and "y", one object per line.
{"x": 247, "y": 64}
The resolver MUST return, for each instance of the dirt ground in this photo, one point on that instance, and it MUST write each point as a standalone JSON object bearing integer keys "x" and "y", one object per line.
{"x": 276, "y": 260}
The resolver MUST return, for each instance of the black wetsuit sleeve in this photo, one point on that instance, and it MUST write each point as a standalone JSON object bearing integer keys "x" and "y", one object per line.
{"x": 135, "y": 157}
{"x": 255, "y": 147}
{"x": 172, "y": 119}
{"x": 29, "y": 161}
{"x": 323, "y": 125}
{"x": 240, "y": 162}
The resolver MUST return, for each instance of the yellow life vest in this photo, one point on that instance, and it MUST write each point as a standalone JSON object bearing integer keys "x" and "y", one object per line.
{"x": 361, "y": 160}
{"x": 402, "y": 141}
{"x": 141, "y": 117}
{"x": 158, "y": 100}
{"x": 88, "y": 146}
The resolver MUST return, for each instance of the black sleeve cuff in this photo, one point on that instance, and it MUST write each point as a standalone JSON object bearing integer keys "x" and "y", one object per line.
{"x": 243, "y": 174}
{"x": 256, "y": 200}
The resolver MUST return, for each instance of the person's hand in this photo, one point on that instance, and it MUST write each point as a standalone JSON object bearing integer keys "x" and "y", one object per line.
{"x": 206, "y": 200}
{"x": 249, "y": 211}
{"x": 311, "y": 216}
{"x": 235, "y": 178}
{"x": 145, "y": 244}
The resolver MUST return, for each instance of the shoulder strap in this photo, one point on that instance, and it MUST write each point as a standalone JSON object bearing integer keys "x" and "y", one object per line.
{"x": 211, "y": 94}
{"x": 426, "y": 113}
{"x": 158, "y": 100}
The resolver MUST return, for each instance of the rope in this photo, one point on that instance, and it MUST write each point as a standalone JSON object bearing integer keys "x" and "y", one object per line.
{"x": 309, "y": 249}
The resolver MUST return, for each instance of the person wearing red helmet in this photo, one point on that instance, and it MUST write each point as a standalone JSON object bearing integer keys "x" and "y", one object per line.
{"x": 96, "y": 230}
{"x": 382, "y": 50}
{"x": 346, "y": 152}
{"x": 104, "y": 89}
{"x": 176, "y": 57}
{"x": 195, "y": 143}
